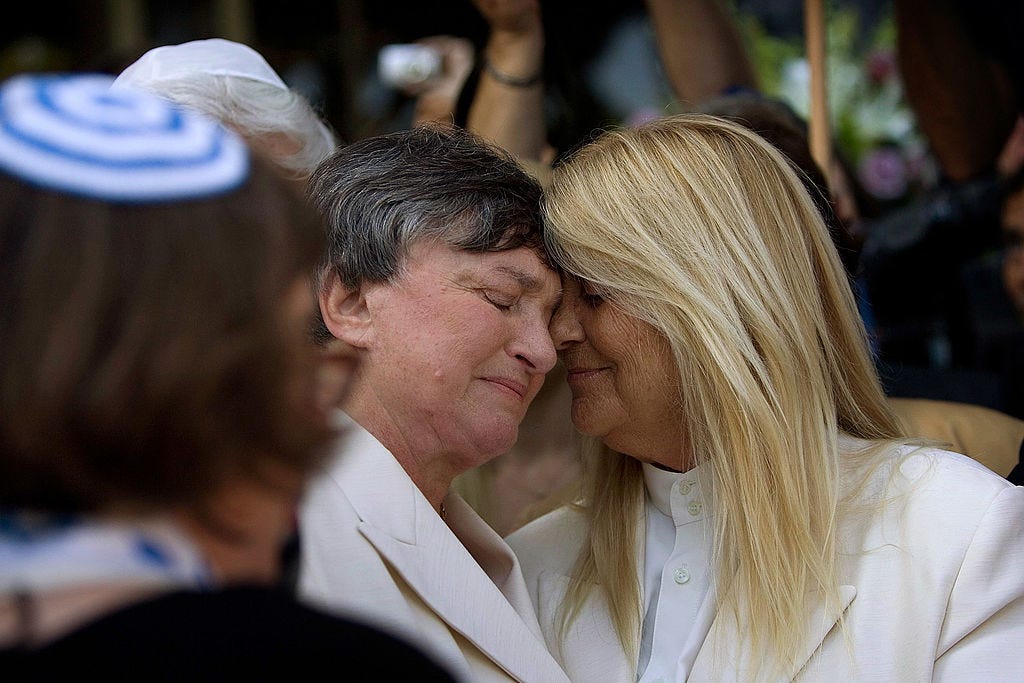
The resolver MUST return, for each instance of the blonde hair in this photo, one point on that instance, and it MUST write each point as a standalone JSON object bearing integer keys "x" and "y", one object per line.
{"x": 702, "y": 229}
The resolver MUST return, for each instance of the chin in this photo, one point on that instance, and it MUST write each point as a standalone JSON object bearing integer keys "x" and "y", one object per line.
{"x": 494, "y": 440}
{"x": 501, "y": 446}
{"x": 583, "y": 425}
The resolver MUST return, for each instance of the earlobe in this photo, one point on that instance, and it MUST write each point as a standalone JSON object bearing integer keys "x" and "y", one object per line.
{"x": 338, "y": 364}
{"x": 345, "y": 312}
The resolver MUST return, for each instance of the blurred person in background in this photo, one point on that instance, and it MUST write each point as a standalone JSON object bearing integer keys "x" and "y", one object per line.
{"x": 944, "y": 325}
{"x": 159, "y": 408}
{"x": 1013, "y": 240}
{"x": 234, "y": 84}
{"x": 548, "y": 76}
{"x": 437, "y": 94}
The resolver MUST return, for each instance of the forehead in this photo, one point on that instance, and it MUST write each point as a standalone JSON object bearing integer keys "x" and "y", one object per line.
{"x": 522, "y": 265}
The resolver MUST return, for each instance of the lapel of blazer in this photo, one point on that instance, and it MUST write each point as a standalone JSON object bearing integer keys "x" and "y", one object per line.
{"x": 721, "y": 655}
{"x": 591, "y": 650}
{"x": 400, "y": 524}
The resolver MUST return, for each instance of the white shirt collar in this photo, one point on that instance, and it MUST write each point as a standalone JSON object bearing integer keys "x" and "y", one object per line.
{"x": 676, "y": 495}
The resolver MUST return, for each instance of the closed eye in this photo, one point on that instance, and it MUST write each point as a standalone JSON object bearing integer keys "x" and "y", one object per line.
{"x": 502, "y": 303}
{"x": 590, "y": 297}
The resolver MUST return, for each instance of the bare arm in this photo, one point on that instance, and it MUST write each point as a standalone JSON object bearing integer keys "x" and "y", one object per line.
{"x": 512, "y": 116}
{"x": 701, "y": 48}
{"x": 962, "y": 101}
{"x": 436, "y": 99}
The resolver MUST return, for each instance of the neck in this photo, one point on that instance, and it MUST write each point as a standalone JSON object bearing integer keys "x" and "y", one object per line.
{"x": 430, "y": 465}
{"x": 671, "y": 452}
{"x": 679, "y": 461}
{"x": 242, "y": 527}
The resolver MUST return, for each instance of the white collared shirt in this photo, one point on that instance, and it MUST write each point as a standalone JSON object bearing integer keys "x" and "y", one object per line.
{"x": 677, "y": 610}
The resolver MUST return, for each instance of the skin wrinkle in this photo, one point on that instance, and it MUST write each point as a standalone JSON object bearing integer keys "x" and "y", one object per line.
{"x": 445, "y": 354}
{"x": 629, "y": 401}
{"x": 436, "y": 343}
{"x": 767, "y": 370}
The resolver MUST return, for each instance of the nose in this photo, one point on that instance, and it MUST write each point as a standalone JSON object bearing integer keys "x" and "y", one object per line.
{"x": 565, "y": 328}
{"x": 534, "y": 347}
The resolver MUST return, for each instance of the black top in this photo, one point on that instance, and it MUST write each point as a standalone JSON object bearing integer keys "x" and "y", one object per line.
{"x": 1016, "y": 476}
{"x": 232, "y": 634}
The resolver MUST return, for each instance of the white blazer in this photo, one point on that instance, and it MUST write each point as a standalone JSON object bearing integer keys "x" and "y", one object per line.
{"x": 932, "y": 587}
{"x": 374, "y": 548}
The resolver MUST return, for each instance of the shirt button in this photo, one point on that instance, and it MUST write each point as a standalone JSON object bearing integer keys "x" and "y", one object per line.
{"x": 685, "y": 486}
{"x": 695, "y": 507}
{"x": 681, "y": 575}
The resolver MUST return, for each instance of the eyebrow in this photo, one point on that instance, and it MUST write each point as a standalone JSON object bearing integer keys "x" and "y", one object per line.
{"x": 528, "y": 282}
{"x": 525, "y": 280}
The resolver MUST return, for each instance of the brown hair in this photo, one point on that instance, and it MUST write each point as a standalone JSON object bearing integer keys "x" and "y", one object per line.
{"x": 142, "y": 350}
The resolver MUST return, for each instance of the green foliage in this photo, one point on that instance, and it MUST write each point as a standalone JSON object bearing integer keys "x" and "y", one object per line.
{"x": 867, "y": 108}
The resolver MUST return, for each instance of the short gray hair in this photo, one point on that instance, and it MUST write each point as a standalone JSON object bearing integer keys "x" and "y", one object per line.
{"x": 382, "y": 194}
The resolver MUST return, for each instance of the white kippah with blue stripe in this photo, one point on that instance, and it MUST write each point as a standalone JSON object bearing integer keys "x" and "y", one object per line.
{"x": 72, "y": 133}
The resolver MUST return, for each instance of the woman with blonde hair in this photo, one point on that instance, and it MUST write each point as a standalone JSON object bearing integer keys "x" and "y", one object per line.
{"x": 749, "y": 509}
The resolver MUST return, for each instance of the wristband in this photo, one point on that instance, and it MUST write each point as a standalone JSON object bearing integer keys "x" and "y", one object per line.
{"x": 509, "y": 80}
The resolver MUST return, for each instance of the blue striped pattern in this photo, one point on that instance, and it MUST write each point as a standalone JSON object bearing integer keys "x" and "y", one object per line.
{"x": 72, "y": 133}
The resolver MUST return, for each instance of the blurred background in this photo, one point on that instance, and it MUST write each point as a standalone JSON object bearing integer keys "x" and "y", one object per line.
{"x": 938, "y": 314}
{"x": 328, "y": 51}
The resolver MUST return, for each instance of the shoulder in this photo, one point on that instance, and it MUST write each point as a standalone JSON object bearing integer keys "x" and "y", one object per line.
{"x": 204, "y": 636}
{"x": 361, "y": 479}
{"x": 929, "y": 492}
{"x": 938, "y": 546}
{"x": 360, "y": 476}
{"x": 551, "y": 542}
{"x": 928, "y": 471}
{"x": 986, "y": 435}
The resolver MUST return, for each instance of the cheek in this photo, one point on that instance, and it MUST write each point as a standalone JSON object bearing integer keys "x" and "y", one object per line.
{"x": 640, "y": 395}
{"x": 597, "y": 413}
{"x": 440, "y": 347}
{"x": 648, "y": 377}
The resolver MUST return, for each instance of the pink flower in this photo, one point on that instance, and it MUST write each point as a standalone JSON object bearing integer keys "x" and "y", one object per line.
{"x": 884, "y": 173}
{"x": 881, "y": 66}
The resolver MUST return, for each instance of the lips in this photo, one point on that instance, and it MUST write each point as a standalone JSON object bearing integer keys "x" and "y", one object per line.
{"x": 576, "y": 375}
{"x": 517, "y": 387}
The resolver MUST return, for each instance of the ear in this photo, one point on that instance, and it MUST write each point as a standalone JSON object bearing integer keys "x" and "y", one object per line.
{"x": 345, "y": 312}
{"x": 336, "y": 371}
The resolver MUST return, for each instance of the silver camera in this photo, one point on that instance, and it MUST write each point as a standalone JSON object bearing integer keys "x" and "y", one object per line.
{"x": 407, "y": 64}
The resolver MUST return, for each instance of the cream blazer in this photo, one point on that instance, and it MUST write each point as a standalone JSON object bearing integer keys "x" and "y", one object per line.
{"x": 932, "y": 586}
{"x": 374, "y": 548}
